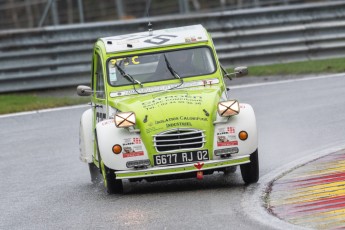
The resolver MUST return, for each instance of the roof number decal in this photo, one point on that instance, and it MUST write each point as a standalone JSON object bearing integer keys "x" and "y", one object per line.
{"x": 164, "y": 37}
{"x": 159, "y": 40}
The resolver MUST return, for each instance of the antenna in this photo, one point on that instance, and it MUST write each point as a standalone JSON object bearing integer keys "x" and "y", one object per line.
{"x": 149, "y": 25}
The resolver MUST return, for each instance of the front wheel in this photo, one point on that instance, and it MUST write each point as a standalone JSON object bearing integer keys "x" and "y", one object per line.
{"x": 250, "y": 171}
{"x": 111, "y": 184}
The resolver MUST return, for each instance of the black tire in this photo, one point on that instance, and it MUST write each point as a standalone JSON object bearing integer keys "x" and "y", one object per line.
{"x": 112, "y": 185}
{"x": 94, "y": 173}
{"x": 250, "y": 171}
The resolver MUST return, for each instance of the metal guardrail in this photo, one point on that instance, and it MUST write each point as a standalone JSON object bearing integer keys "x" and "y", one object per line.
{"x": 31, "y": 13}
{"x": 49, "y": 57}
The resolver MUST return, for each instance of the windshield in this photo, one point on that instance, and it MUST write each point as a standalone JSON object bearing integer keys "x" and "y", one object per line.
{"x": 154, "y": 67}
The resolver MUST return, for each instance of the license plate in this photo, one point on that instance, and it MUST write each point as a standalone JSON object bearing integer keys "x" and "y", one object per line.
{"x": 180, "y": 158}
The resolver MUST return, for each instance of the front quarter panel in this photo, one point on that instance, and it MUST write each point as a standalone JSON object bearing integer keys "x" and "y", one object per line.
{"x": 132, "y": 146}
{"x": 226, "y": 132}
{"x": 86, "y": 141}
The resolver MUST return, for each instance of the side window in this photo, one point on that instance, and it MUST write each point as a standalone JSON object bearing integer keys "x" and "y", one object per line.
{"x": 99, "y": 78}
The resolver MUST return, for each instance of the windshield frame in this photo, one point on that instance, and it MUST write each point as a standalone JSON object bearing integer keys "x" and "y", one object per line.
{"x": 142, "y": 52}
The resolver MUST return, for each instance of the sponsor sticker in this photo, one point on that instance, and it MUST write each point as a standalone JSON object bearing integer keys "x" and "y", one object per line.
{"x": 132, "y": 141}
{"x": 231, "y": 130}
{"x": 164, "y": 87}
{"x": 132, "y": 151}
{"x": 227, "y": 143}
{"x": 133, "y": 154}
{"x": 172, "y": 99}
{"x": 137, "y": 140}
{"x": 226, "y": 136}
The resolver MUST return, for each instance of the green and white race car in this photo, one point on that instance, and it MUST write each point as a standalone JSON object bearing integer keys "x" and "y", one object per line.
{"x": 160, "y": 110}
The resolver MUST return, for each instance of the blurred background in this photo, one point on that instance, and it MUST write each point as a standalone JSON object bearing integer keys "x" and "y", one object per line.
{"x": 16, "y": 14}
{"x": 46, "y": 45}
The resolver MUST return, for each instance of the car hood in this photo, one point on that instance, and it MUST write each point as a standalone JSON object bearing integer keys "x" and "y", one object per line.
{"x": 161, "y": 111}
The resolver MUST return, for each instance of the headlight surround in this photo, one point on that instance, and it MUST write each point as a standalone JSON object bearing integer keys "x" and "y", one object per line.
{"x": 124, "y": 120}
{"x": 228, "y": 108}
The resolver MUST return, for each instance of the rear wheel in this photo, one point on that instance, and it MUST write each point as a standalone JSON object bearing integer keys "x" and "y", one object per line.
{"x": 250, "y": 171}
{"x": 111, "y": 184}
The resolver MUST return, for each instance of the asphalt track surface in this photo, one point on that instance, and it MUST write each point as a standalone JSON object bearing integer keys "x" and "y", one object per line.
{"x": 45, "y": 186}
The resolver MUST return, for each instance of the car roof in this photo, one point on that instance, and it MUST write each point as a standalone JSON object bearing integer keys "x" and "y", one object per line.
{"x": 158, "y": 38}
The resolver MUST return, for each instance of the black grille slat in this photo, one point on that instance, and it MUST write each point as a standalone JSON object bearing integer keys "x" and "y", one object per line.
{"x": 181, "y": 133}
{"x": 171, "y": 140}
{"x": 178, "y": 139}
{"x": 180, "y": 143}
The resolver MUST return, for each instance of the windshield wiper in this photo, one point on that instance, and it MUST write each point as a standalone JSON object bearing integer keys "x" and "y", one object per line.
{"x": 171, "y": 70}
{"x": 127, "y": 76}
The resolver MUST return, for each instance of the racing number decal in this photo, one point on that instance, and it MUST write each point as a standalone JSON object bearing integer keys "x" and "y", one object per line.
{"x": 127, "y": 61}
{"x": 135, "y": 60}
{"x": 100, "y": 116}
{"x": 156, "y": 40}
{"x": 132, "y": 37}
{"x": 160, "y": 39}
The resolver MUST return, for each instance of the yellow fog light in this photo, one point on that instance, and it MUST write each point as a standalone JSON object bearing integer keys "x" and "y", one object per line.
{"x": 124, "y": 120}
{"x": 228, "y": 108}
{"x": 117, "y": 149}
{"x": 243, "y": 135}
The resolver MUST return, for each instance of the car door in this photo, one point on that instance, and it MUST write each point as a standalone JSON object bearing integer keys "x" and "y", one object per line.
{"x": 99, "y": 97}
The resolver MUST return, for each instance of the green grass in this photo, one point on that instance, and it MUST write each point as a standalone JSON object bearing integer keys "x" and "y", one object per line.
{"x": 336, "y": 65}
{"x": 11, "y": 103}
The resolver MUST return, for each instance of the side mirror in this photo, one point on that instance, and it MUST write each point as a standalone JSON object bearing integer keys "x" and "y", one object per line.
{"x": 238, "y": 72}
{"x": 241, "y": 71}
{"x": 83, "y": 90}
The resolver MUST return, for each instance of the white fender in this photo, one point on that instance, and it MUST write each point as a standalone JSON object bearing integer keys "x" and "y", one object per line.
{"x": 108, "y": 135}
{"x": 227, "y": 130}
{"x": 86, "y": 141}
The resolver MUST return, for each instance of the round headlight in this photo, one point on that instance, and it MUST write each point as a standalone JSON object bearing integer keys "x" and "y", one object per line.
{"x": 123, "y": 120}
{"x": 228, "y": 108}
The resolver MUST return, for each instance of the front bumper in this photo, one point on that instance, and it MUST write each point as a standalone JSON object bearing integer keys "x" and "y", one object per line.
{"x": 179, "y": 169}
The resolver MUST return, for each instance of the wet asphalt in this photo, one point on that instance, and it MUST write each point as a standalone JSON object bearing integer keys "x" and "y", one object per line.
{"x": 45, "y": 186}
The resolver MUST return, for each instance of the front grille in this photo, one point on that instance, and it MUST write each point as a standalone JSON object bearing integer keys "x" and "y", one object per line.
{"x": 179, "y": 139}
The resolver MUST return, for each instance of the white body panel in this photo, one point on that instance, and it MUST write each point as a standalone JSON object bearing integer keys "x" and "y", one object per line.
{"x": 86, "y": 140}
{"x": 108, "y": 135}
{"x": 226, "y": 134}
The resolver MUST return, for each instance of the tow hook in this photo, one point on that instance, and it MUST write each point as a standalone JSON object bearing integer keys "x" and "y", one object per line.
{"x": 200, "y": 175}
